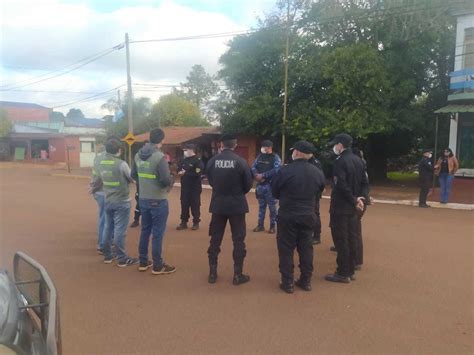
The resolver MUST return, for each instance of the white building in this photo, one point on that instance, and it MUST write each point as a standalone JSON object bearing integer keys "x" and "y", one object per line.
{"x": 461, "y": 99}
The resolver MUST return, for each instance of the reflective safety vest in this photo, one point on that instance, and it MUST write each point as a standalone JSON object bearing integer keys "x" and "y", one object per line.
{"x": 115, "y": 184}
{"x": 95, "y": 167}
{"x": 150, "y": 187}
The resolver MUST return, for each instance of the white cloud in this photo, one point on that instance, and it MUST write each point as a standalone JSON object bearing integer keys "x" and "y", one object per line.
{"x": 49, "y": 35}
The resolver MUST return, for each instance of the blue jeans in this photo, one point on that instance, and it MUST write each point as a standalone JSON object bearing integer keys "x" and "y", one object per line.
{"x": 117, "y": 215}
{"x": 445, "y": 182}
{"x": 100, "y": 199}
{"x": 265, "y": 198}
{"x": 154, "y": 218}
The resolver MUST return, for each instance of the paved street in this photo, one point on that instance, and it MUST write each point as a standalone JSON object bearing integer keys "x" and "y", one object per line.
{"x": 413, "y": 296}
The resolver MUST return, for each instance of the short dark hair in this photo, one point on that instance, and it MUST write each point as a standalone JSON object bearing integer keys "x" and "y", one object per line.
{"x": 230, "y": 143}
{"x": 113, "y": 145}
{"x": 157, "y": 135}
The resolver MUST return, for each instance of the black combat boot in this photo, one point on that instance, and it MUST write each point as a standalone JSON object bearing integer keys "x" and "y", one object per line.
{"x": 239, "y": 277}
{"x": 303, "y": 283}
{"x": 212, "y": 274}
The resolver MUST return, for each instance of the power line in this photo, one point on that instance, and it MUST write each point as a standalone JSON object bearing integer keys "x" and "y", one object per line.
{"x": 104, "y": 93}
{"x": 187, "y": 38}
{"x": 62, "y": 71}
{"x": 56, "y": 91}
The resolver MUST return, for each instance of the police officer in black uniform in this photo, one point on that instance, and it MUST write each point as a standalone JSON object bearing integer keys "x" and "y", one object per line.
{"x": 425, "y": 174}
{"x": 230, "y": 178}
{"x": 190, "y": 169}
{"x": 349, "y": 195}
{"x": 317, "y": 224}
{"x": 298, "y": 186}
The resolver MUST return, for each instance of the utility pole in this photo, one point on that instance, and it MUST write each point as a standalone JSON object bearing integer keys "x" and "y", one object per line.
{"x": 129, "y": 98}
{"x": 285, "y": 98}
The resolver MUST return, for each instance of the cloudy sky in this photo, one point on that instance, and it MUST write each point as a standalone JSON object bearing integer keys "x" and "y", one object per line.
{"x": 44, "y": 38}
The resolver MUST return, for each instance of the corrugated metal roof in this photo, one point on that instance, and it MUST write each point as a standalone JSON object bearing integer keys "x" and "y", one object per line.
{"x": 456, "y": 108}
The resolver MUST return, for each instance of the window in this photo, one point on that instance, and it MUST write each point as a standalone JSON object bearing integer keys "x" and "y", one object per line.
{"x": 468, "y": 48}
{"x": 87, "y": 147}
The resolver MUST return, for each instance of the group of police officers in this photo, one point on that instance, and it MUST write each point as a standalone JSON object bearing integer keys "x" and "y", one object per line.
{"x": 297, "y": 186}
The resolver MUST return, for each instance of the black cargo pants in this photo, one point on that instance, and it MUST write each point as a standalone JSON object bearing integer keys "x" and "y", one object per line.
{"x": 216, "y": 232}
{"x": 344, "y": 230}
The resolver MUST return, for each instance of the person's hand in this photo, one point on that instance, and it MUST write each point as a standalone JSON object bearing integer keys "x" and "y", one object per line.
{"x": 259, "y": 177}
{"x": 360, "y": 203}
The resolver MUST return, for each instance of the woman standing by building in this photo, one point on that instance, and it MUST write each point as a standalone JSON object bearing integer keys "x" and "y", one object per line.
{"x": 445, "y": 168}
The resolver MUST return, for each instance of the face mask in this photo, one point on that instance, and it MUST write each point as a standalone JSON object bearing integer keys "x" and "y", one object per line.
{"x": 335, "y": 150}
{"x": 430, "y": 155}
{"x": 187, "y": 153}
{"x": 263, "y": 150}
{"x": 293, "y": 155}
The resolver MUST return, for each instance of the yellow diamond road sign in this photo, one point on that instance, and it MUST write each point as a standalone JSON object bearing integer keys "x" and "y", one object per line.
{"x": 129, "y": 138}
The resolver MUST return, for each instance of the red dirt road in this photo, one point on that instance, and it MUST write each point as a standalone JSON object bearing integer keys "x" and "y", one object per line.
{"x": 413, "y": 296}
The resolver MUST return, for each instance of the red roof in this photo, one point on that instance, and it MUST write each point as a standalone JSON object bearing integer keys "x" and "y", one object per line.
{"x": 179, "y": 135}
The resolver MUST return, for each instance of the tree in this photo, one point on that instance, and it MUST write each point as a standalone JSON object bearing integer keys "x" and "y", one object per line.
{"x": 75, "y": 113}
{"x": 55, "y": 116}
{"x": 6, "y": 125}
{"x": 173, "y": 110}
{"x": 141, "y": 111}
{"x": 199, "y": 86}
{"x": 355, "y": 66}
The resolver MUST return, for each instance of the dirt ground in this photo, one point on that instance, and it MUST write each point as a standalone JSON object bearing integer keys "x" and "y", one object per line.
{"x": 413, "y": 296}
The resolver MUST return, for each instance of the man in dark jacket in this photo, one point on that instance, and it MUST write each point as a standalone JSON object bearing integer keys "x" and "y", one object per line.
{"x": 298, "y": 186}
{"x": 349, "y": 195}
{"x": 425, "y": 170}
{"x": 190, "y": 169}
{"x": 230, "y": 178}
{"x": 317, "y": 223}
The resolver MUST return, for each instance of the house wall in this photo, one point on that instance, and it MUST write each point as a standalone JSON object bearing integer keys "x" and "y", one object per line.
{"x": 20, "y": 114}
{"x": 463, "y": 22}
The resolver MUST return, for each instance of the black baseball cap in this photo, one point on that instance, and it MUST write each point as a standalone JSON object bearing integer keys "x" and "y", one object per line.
{"x": 427, "y": 150}
{"x": 228, "y": 137}
{"x": 343, "y": 138}
{"x": 304, "y": 147}
{"x": 267, "y": 143}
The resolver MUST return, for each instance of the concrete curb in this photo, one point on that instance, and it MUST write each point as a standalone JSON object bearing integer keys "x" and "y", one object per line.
{"x": 452, "y": 206}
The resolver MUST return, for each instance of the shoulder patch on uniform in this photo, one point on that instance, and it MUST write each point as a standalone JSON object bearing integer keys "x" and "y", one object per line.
{"x": 198, "y": 170}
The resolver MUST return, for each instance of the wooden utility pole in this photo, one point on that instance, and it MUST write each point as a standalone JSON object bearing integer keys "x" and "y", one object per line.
{"x": 129, "y": 97}
{"x": 285, "y": 98}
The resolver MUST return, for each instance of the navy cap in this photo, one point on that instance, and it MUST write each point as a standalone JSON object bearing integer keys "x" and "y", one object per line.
{"x": 343, "y": 138}
{"x": 228, "y": 137}
{"x": 427, "y": 150}
{"x": 304, "y": 147}
{"x": 267, "y": 143}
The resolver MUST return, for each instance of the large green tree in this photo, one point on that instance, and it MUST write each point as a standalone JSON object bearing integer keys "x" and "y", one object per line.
{"x": 173, "y": 110}
{"x": 375, "y": 69}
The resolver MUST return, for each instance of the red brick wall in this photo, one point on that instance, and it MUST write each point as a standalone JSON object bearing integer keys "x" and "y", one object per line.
{"x": 19, "y": 114}
{"x": 60, "y": 155}
{"x": 247, "y": 147}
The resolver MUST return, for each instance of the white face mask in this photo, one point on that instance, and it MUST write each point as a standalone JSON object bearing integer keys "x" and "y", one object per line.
{"x": 263, "y": 150}
{"x": 293, "y": 155}
{"x": 188, "y": 153}
{"x": 430, "y": 155}
{"x": 335, "y": 150}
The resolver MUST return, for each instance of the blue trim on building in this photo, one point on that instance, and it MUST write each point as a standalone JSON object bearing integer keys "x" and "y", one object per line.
{"x": 467, "y": 71}
{"x": 462, "y": 85}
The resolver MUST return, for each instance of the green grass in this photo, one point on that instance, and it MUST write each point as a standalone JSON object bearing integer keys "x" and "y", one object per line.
{"x": 401, "y": 177}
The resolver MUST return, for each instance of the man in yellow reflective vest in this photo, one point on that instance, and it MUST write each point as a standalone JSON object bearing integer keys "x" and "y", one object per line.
{"x": 114, "y": 176}
{"x": 152, "y": 172}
